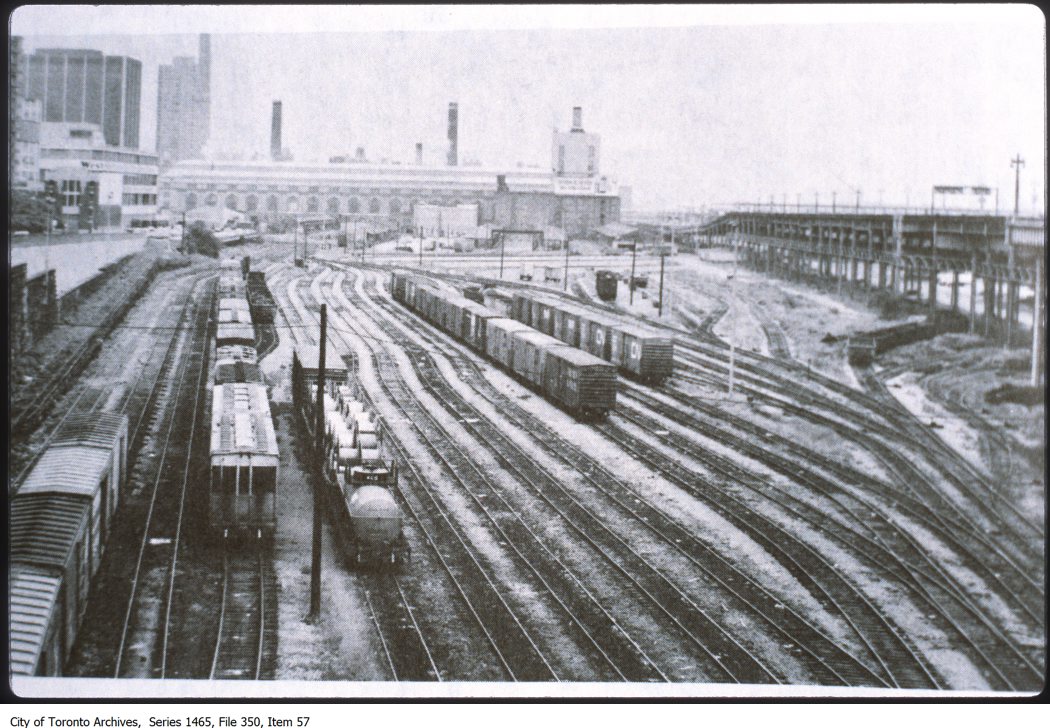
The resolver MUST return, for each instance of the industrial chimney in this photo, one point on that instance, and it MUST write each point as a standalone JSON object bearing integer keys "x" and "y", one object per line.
{"x": 419, "y": 154}
{"x": 275, "y": 132}
{"x": 453, "y": 133}
{"x": 360, "y": 154}
{"x": 577, "y": 118}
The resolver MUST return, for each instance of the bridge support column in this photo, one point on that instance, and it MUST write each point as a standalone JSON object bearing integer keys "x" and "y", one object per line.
{"x": 973, "y": 293}
{"x": 955, "y": 290}
{"x": 1038, "y": 316}
{"x": 989, "y": 303}
{"x": 933, "y": 287}
{"x": 1011, "y": 308}
{"x": 882, "y": 274}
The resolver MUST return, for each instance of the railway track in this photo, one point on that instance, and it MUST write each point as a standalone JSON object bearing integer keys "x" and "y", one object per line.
{"x": 836, "y": 667}
{"x": 143, "y": 646}
{"x": 510, "y": 641}
{"x": 887, "y": 547}
{"x": 27, "y": 415}
{"x": 246, "y": 625}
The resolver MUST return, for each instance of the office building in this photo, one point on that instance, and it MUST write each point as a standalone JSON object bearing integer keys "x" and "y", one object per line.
{"x": 85, "y": 86}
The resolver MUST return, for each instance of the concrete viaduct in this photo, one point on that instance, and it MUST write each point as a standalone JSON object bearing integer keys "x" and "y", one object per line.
{"x": 904, "y": 252}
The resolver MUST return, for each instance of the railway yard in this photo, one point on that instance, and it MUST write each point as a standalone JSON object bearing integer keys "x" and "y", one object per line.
{"x": 766, "y": 514}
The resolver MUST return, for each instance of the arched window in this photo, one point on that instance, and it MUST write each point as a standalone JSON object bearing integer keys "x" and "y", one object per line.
{"x": 212, "y": 199}
{"x": 374, "y": 206}
{"x": 293, "y": 204}
{"x": 311, "y": 204}
{"x": 271, "y": 203}
{"x": 231, "y": 201}
{"x": 353, "y": 205}
{"x": 333, "y": 205}
{"x": 191, "y": 200}
{"x": 395, "y": 206}
{"x": 251, "y": 203}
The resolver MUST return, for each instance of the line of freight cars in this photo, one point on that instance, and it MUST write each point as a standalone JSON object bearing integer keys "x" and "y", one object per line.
{"x": 359, "y": 480}
{"x": 582, "y": 384}
{"x": 61, "y": 517}
{"x": 864, "y": 347}
{"x": 242, "y": 487}
{"x": 643, "y": 353}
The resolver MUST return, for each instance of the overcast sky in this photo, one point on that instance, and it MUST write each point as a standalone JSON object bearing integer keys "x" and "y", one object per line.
{"x": 721, "y": 109}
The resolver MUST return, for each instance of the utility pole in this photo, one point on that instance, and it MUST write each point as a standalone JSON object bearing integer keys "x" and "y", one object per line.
{"x": 295, "y": 241}
{"x": 420, "y": 246}
{"x": 315, "y": 563}
{"x": 833, "y": 195}
{"x": 816, "y": 202}
{"x": 634, "y": 256}
{"x": 1017, "y": 163}
{"x": 502, "y": 245}
{"x": 798, "y": 202}
{"x": 565, "y": 276}
{"x": 660, "y": 305}
{"x": 858, "y": 200}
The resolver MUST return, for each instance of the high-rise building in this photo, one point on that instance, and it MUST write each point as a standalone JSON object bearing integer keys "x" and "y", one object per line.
{"x": 76, "y": 85}
{"x": 24, "y": 125}
{"x": 184, "y": 106}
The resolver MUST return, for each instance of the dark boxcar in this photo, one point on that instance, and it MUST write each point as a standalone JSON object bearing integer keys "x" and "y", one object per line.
{"x": 498, "y": 339}
{"x": 521, "y": 308}
{"x": 647, "y": 354}
{"x": 581, "y": 383}
{"x": 605, "y": 284}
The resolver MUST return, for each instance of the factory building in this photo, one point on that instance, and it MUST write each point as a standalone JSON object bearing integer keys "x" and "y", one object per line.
{"x": 577, "y": 202}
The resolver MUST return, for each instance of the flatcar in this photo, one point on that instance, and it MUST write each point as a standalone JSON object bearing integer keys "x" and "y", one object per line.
{"x": 61, "y": 516}
{"x": 534, "y": 356}
{"x": 244, "y": 462}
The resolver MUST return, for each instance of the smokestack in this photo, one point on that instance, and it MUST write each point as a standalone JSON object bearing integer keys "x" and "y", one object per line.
{"x": 577, "y": 118}
{"x": 419, "y": 154}
{"x": 453, "y": 133}
{"x": 360, "y": 154}
{"x": 275, "y": 132}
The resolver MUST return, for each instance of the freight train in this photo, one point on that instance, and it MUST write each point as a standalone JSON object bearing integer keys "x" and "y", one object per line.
{"x": 582, "y": 384}
{"x": 242, "y": 487}
{"x": 864, "y": 347}
{"x": 359, "y": 481}
{"x": 643, "y": 353}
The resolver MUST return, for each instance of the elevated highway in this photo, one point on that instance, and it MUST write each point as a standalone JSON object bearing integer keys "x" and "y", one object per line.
{"x": 906, "y": 252}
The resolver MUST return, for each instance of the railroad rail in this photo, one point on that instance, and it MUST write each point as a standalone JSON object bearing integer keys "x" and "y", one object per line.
{"x": 164, "y": 503}
{"x": 248, "y": 595}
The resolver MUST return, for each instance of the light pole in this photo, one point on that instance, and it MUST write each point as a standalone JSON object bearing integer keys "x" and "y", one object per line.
{"x": 634, "y": 257}
{"x": 1017, "y": 163}
{"x": 565, "y": 276}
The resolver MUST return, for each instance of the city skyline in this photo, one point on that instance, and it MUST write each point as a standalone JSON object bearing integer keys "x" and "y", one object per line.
{"x": 688, "y": 116}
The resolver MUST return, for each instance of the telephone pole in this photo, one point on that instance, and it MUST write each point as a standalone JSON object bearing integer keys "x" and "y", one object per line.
{"x": 315, "y": 563}
{"x": 1017, "y": 163}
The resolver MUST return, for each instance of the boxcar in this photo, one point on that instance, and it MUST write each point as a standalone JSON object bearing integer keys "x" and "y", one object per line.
{"x": 235, "y": 363}
{"x": 581, "y": 383}
{"x": 60, "y": 519}
{"x": 499, "y": 343}
{"x": 232, "y": 333}
{"x": 244, "y": 462}
{"x": 647, "y": 354}
{"x": 475, "y": 325}
{"x": 530, "y": 348}
{"x": 605, "y": 284}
